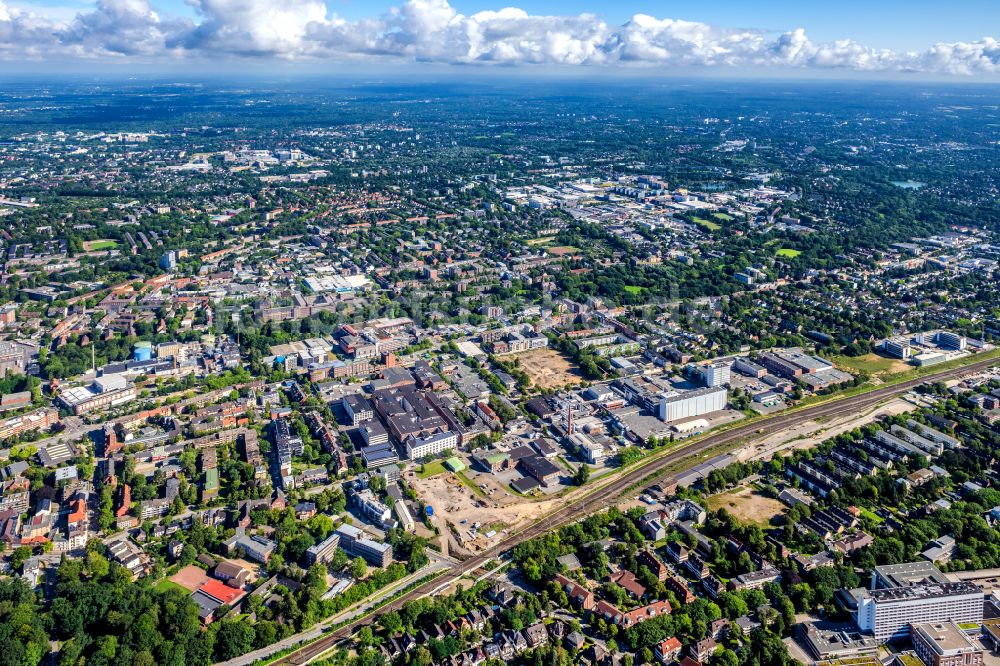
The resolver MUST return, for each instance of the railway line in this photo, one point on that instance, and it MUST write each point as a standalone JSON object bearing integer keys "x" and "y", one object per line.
{"x": 643, "y": 475}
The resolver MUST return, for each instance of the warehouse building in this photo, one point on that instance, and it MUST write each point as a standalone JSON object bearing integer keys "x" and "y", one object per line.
{"x": 692, "y": 403}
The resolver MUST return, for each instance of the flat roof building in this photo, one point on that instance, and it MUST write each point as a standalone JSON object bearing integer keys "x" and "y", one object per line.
{"x": 323, "y": 551}
{"x": 888, "y": 612}
{"x": 354, "y": 542}
{"x": 944, "y": 644}
{"x": 906, "y": 574}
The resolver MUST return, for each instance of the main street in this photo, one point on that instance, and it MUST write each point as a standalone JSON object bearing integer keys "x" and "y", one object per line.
{"x": 685, "y": 455}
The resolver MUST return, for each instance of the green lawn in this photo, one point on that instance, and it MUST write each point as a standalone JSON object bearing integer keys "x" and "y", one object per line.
{"x": 167, "y": 584}
{"x": 471, "y": 485}
{"x": 872, "y": 517}
{"x": 541, "y": 240}
{"x": 872, "y": 364}
{"x": 103, "y": 245}
{"x": 431, "y": 469}
{"x": 723, "y": 217}
{"x": 632, "y": 289}
{"x": 788, "y": 253}
{"x": 705, "y": 224}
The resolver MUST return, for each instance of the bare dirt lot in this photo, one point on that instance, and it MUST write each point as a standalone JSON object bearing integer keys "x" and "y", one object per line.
{"x": 811, "y": 433}
{"x": 748, "y": 505}
{"x": 493, "y": 507}
{"x": 190, "y": 577}
{"x": 548, "y": 368}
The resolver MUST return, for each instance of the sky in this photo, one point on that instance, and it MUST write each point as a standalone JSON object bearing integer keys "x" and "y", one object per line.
{"x": 845, "y": 38}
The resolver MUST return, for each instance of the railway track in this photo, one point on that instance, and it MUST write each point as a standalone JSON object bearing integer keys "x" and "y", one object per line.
{"x": 646, "y": 474}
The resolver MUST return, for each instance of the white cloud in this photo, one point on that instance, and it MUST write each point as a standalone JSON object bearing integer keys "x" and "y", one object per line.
{"x": 248, "y": 27}
{"x": 433, "y": 31}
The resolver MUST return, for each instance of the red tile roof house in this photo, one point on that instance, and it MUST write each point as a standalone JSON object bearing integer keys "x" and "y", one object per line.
{"x": 609, "y": 612}
{"x": 627, "y": 619}
{"x": 680, "y": 588}
{"x": 667, "y": 651}
{"x": 646, "y": 613}
{"x": 577, "y": 593}
{"x": 654, "y": 563}
{"x": 629, "y": 582}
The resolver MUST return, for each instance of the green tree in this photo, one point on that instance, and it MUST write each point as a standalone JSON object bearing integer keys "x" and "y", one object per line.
{"x": 233, "y": 639}
{"x": 359, "y": 568}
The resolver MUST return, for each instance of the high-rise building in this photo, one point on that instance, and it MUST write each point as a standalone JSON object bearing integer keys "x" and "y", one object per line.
{"x": 716, "y": 374}
{"x": 915, "y": 593}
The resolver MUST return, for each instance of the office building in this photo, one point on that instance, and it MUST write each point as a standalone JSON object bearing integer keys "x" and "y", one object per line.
{"x": 358, "y": 409}
{"x": 417, "y": 448}
{"x": 716, "y": 374}
{"x": 323, "y": 552}
{"x": 944, "y": 644}
{"x": 906, "y": 574}
{"x": 378, "y": 455}
{"x": 888, "y": 612}
{"x": 355, "y": 543}
{"x": 897, "y": 347}
{"x": 949, "y": 340}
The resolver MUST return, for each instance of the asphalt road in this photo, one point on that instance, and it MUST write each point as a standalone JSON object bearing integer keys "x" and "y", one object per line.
{"x": 646, "y": 474}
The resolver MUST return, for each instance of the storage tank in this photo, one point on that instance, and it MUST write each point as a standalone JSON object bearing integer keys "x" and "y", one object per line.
{"x": 143, "y": 351}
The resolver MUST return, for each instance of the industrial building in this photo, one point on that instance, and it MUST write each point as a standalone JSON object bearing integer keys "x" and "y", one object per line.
{"x": 897, "y": 348}
{"x": 692, "y": 403}
{"x": 105, "y": 391}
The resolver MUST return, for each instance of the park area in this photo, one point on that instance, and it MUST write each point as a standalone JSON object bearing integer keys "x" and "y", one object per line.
{"x": 98, "y": 245}
{"x": 563, "y": 250}
{"x": 872, "y": 364}
{"x": 547, "y": 368}
{"x": 747, "y": 505}
{"x": 706, "y": 224}
{"x": 431, "y": 469}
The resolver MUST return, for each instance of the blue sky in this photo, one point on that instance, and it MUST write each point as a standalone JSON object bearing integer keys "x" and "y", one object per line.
{"x": 893, "y": 38}
{"x": 893, "y": 24}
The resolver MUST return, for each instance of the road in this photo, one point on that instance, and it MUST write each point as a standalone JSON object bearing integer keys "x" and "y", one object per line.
{"x": 436, "y": 565}
{"x": 602, "y": 497}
